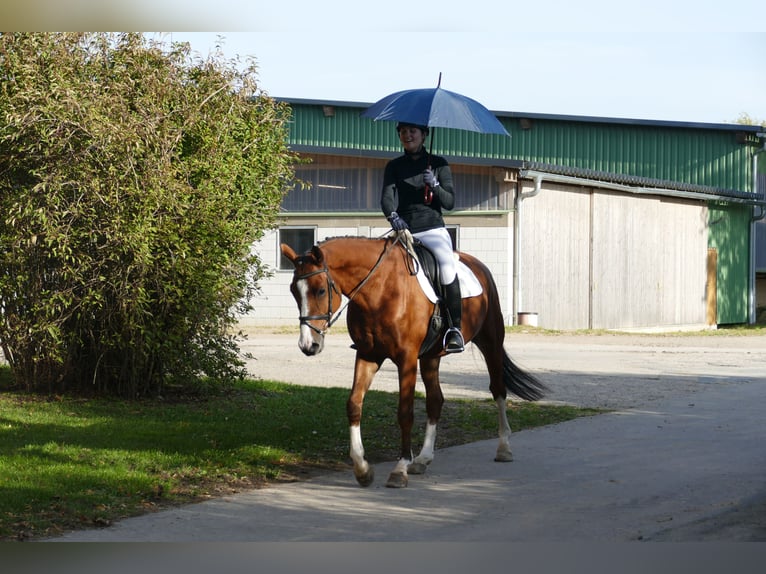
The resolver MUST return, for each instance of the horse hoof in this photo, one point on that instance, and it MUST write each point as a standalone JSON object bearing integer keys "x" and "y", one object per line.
{"x": 397, "y": 480}
{"x": 417, "y": 468}
{"x": 365, "y": 479}
{"x": 505, "y": 456}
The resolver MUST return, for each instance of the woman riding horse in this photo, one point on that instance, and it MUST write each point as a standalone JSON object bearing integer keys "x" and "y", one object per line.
{"x": 416, "y": 186}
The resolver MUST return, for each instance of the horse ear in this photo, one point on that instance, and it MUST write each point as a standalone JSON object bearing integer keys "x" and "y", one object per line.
{"x": 288, "y": 252}
{"x": 317, "y": 253}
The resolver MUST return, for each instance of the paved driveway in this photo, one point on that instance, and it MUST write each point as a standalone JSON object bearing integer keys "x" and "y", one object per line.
{"x": 682, "y": 458}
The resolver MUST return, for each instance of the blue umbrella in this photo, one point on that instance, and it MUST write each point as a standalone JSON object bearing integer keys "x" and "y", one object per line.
{"x": 436, "y": 107}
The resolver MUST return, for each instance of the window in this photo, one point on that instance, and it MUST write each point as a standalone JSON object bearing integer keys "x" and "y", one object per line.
{"x": 336, "y": 184}
{"x": 476, "y": 189}
{"x": 301, "y": 239}
{"x": 453, "y": 233}
{"x": 339, "y": 184}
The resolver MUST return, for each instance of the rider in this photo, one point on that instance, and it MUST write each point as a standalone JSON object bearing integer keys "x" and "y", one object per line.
{"x": 416, "y": 187}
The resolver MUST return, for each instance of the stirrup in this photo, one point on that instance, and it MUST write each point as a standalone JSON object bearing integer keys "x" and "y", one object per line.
{"x": 456, "y": 344}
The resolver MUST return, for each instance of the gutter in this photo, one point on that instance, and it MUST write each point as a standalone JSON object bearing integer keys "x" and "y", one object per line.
{"x": 762, "y": 209}
{"x": 517, "y": 201}
{"x": 756, "y": 200}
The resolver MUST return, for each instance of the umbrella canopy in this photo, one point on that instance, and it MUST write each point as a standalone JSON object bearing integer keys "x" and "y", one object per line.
{"x": 436, "y": 107}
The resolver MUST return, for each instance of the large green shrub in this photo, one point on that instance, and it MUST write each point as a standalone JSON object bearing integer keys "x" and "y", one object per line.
{"x": 133, "y": 183}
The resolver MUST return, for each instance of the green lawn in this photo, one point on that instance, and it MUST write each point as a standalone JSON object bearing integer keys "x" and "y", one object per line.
{"x": 68, "y": 463}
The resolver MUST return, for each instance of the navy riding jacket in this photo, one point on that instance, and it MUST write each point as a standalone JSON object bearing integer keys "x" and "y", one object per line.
{"x": 403, "y": 191}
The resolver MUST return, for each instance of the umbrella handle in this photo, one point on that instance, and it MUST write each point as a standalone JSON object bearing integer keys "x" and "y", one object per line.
{"x": 428, "y": 194}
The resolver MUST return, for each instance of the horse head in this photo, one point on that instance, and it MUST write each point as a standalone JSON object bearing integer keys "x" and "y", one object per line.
{"x": 312, "y": 287}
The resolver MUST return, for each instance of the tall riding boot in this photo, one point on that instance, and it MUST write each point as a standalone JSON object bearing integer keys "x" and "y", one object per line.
{"x": 453, "y": 339}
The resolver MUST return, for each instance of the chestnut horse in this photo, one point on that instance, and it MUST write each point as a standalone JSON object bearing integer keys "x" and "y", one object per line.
{"x": 388, "y": 318}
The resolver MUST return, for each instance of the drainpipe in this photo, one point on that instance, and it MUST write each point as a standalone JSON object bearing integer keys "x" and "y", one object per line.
{"x": 754, "y": 219}
{"x": 520, "y": 197}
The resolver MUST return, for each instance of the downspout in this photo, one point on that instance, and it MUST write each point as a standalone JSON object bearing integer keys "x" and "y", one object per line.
{"x": 753, "y": 220}
{"x": 517, "y": 201}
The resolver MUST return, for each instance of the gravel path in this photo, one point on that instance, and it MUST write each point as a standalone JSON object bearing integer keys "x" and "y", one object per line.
{"x": 592, "y": 370}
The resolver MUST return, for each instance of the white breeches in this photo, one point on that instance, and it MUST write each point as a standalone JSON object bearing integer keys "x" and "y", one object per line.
{"x": 439, "y": 241}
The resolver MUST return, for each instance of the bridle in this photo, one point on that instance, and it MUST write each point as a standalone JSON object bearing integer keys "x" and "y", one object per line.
{"x": 328, "y": 317}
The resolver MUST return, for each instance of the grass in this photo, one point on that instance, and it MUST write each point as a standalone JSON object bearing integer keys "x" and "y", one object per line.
{"x": 71, "y": 463}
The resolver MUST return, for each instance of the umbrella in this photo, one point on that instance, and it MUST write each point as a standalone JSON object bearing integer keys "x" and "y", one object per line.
{"x": 436, "y": 107}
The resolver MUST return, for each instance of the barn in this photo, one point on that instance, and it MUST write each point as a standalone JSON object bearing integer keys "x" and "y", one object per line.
{"x": 585, "y": 222}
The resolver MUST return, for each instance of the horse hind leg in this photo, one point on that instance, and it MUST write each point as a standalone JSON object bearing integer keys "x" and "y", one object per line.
{"x": 406, "y": 415}
{"x": 494, "y": 356}
{"x": 498, "y": 389}
{"x": 429, "y": 371}
{"x": 426, "y": 456}
{"x": 503, "y": 453}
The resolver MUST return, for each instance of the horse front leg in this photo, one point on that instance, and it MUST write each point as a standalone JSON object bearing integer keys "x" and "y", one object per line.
{"x": 406, "y": 414}
{"x": 429, "y": 372}
{"x": 364, "y": 371}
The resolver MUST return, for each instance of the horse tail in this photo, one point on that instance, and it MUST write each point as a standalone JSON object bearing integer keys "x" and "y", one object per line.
{"x": 521, "y": 383}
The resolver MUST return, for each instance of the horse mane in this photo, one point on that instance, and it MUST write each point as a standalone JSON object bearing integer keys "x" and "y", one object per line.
{"x": 359, "y": 237}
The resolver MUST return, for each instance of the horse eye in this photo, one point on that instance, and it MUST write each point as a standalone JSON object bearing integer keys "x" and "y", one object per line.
{"x": 321, "y": 292}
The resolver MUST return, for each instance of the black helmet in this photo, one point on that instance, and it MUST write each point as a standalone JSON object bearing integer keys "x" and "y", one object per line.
{"x": 401, "y": 125}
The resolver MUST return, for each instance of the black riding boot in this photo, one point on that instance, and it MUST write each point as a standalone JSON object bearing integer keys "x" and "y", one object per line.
{"x": 453, "y": 339}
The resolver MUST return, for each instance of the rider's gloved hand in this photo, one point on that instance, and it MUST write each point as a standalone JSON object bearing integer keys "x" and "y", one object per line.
{"x": 397, "y": 223}
{"x": 429, "y": 177}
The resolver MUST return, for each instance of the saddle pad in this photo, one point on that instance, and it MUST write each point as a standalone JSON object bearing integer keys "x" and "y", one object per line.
{"x": 469, "y": 284}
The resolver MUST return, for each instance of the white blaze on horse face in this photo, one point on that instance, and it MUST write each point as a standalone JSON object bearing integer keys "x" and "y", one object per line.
{"x": 306, "y": 339}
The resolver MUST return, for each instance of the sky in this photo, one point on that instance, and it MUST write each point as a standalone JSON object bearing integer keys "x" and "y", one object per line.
{"x": 676, "y": 60}
{"x": 674, "y": 76}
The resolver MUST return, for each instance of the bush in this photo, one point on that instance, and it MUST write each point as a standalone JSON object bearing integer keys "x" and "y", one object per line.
{"x": 133, "y": 183}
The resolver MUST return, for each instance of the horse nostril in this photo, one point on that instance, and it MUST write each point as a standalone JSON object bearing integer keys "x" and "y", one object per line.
{"x": 314, "y": 349}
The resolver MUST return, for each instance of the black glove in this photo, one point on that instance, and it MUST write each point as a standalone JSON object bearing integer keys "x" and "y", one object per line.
{"x": 397, "y": 223}
{"x": 429, "y": 177}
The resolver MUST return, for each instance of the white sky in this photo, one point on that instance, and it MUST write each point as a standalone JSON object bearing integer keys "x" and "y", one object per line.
{"x": 665, "y": 75}
{"x": 679, "y": 60}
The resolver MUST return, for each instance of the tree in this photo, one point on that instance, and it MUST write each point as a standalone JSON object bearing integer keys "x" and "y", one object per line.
{"x": 133, "y": 183}
{"x": 745, "y": 119}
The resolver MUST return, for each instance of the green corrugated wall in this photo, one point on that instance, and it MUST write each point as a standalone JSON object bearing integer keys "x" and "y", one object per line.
{"x": 698, "y": 156}
{"x": 729, "y": 234}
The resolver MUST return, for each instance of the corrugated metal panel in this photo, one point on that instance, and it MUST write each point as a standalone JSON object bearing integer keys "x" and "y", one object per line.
{"x": 696, "y": 156}
{"x": 346, "y": 130}
{"x": 729, "y": 235}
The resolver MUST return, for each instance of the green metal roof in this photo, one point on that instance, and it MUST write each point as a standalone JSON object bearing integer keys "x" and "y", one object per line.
{"x": 714, "y": 156}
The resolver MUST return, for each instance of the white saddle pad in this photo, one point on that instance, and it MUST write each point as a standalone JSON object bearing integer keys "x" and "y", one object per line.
{"x": 469, "y": 284}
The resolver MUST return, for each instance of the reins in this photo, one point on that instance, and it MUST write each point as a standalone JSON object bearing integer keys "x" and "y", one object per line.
{"x": 328, "y": 317}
